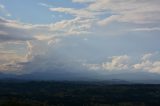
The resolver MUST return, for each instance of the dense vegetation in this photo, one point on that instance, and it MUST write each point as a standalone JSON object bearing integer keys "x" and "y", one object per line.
{"x": 51, "y": 93}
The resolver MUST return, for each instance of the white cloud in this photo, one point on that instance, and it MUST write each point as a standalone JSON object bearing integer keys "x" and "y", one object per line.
{"x": 131, "y": 11}
{"x": 14, "y": 30}
{"x": 146, "y": 56}
{"x": 44, "y": 5}
{"x": 83, "y": 1}
{"x": 117, "y": 63}
{"x": 147, "y": 29}
{"x": 74, "y": 26}
{"x": 108, "y": 20}
{"x": 153, "y": 67}
{"x": 29, "y": 55}
{"x": 148, "y": 64}
{"x": 75, "y": 12}
{"x": 54, "y": 41}
{"x": 43, "y": 37}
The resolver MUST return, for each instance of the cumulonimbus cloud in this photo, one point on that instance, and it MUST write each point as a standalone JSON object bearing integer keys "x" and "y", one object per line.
{"x": 37, "y": 36}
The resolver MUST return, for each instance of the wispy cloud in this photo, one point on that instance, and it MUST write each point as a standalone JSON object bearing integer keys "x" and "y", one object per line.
{"x": 133, "y": 11}
{"x": 4, "y": 11}
{"x": 75, "y": 12}
{"x": 83, "y": 1}
{"x": 44, "y": 5}
{"x": 147, "y": 29}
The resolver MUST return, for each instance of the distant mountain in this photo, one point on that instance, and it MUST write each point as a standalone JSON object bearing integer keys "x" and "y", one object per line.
{"x": 134, "y": 76}
{"x": 55, "y": 75}
{"x": 121, "y": 78}
{"x": 4, "y": 76}
{"x": 137, "y": 77}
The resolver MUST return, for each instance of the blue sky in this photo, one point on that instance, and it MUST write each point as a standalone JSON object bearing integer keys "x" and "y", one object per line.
{"x": 36, "y": 11}
{"x": 79, "y": 36}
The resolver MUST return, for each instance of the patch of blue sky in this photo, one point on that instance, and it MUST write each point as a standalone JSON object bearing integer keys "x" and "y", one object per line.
{"x": 29, "y": 11}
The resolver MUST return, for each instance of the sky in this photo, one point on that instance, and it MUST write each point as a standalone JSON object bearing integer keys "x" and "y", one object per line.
{"x": 79, "y": 37}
